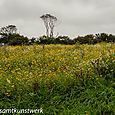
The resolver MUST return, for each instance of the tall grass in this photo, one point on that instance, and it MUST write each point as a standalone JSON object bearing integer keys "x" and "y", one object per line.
{"x": 61, "y": 79}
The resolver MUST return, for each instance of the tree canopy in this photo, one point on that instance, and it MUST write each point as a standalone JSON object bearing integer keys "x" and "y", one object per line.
{"x": 49, "y": 22}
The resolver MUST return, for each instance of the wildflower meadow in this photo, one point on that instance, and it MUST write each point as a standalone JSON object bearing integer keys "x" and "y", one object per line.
{"x": 60, "y": 79}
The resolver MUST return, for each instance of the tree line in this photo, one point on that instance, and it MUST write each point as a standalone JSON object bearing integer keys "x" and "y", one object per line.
{"x": 10, "y": 36}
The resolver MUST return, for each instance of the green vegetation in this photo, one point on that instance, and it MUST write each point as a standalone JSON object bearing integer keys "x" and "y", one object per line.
{"x": 61, "y": 79}
{"x": 9, "y": 36}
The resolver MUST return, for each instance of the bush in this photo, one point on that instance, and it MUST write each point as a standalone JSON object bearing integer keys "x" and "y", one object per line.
{"x": 18, "y": 40}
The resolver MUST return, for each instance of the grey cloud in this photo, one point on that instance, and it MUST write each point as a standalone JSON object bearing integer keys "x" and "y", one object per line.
{"x": 75, "y": 17}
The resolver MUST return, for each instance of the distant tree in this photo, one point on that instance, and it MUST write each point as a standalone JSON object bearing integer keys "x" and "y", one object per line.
{"x": 6, "y": 32}
{"x": 17, "y": 39}
{"x": 102, "y": 37}
{"x": 87, "y": 39}
{"x": 62, "y": 40}
{"x": 32, "y": 41}
{"x": 49, "y": 22}
{"x": 42, "y": 40}
{"x": 10, "y": 29}
{"x": 79, "y": 39}
{"x": 111, "y": 38}
{"x": 10, "y": 36}
{"x": 45, "y": 40}
{"x": 3, "y": 39}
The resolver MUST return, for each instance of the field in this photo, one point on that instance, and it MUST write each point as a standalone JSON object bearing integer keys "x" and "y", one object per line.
{"x": 60, "y": 79}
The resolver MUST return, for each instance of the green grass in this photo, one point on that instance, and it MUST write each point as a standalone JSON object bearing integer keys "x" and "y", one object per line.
{"x": 60, "y": 79}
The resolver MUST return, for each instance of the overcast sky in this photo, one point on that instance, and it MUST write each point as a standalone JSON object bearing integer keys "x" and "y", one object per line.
{"x": 75, "y": 17}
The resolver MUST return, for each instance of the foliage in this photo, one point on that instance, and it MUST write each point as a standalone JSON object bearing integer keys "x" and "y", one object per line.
{"x": 10, "y": 29}
{"x": 93, "y": 39}
{"x": 87, "y": 39}
{"x": 45, "y": 40}
{"x": 14, "y": 39}
{"x": 52, "y": 40}
{"x": 18, "y": 40}
{"x": 10, "y": 36}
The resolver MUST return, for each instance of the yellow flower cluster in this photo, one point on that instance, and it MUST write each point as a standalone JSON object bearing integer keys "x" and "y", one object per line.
{"x": 51, "y": 61}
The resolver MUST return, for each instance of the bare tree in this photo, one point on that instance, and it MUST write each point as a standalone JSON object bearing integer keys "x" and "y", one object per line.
{"x": 49, "y": 22}
{"x": 52, "y": 24}
{"x": 45, "y": 19}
